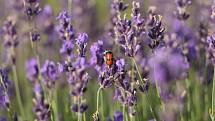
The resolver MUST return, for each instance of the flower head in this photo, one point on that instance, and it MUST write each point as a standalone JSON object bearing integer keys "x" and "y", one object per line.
{"x": 81, "y": 42}
{"x": 181, "y": 12}
{"x": 118, "y": 116}
{"x": 32, "y": 69}
{"x": 10, "y": 33}
{"x": 41, "y": 106}
{"x": 96, "y": 51}
{"x": 49, "y": 73}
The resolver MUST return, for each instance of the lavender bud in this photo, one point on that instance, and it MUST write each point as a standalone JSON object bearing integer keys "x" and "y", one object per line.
{"x": 118, "y": 116}
{"x": 81, "y": 42}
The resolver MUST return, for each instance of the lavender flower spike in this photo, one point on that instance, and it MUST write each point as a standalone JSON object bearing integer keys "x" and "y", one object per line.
{"x": 49, "y": 73}
{"x": 32, "y": 69}
{"x": 81, "y": 42}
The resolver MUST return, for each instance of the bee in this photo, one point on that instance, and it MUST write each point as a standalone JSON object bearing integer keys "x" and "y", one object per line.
{"x": 108, "y": 58}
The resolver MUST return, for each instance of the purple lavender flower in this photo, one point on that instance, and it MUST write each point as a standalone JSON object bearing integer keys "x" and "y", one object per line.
{"x": 9, "y": 30}
{"x": 66, "y": 67}
{"x": 67, "y": 48}
{"x": 41, "y": 106}
{"x": 97, "y": 51}
{"x": 181, "y": 12}
{"x": 156, "y": 31}
{"x": 4, "y": 85}
{"x": 66, "y": 33}
{"x": 64, "y": 18}
{"x": 211, "y": 48}
{"x": 81, "y": 42}
{"x": 49, "y": 73}
{"x": 120, "y": 65}
{"x": 118, "y": 116}
{"x": 32, "y": 69}
{"x": 82, "y": 108}
{"x": 128, "y": 32}
{"x": 116, "y": 7}
{"x": 35, "y": 37}
{"x": 107, "y": 76}
{"x": 10, "y": 40}
{"x": 79, "y": 78}
{"x": 167, "y": 65}
{"x": 32, "y": 8}
{"x": 65, "y": 29}
{"x": 184, "y": 40}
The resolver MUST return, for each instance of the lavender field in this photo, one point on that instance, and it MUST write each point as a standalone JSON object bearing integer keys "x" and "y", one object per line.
{"x": 107, "y": 60}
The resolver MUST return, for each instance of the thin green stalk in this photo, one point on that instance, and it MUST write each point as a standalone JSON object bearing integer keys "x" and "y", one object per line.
{"x": 18, "y": 96}
{"x": 97, "y": 99}
{"x": 158, "y": 91}
{"x": 102, "y": 106}
{"x": 123, "y": 110}
{"x": 188, "y": 98}
{"x": 84, "y": 115}
{"x": 153, "y": 114}
{"x": 212, "y": 112}
{"x": 181, "y": 116}
{"x": 69, "y": 7}
{"x": 126, "y": 116}
{"x": 56, "y": 103}
{"x": 188, "y": 95}
{"x": 138, "y": 71}
{"x": 158, "y": 94}
{"x": 52, "y": 102}
{"x": 78, "y": 109}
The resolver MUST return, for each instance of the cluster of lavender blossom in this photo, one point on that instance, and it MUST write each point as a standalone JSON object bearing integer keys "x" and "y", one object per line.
{"x": 145, "y": 55}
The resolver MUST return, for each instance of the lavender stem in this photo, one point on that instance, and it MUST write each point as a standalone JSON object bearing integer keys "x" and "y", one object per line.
{"x": 97, "y": 99}
{"x": 18, "y": 91}
{"x": 212, "y": 112}
{"x": 78, "y": 109}
{"x": 69, "y": 7}
{"x": 138, "y": 71}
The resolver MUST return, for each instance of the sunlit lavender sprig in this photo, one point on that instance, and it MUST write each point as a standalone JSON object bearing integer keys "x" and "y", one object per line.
{"x": 41, "y": 107}
{"x": 125, "y": 93}
{"x": 32, "y": 10}
{"x": 211, "y": 48}
{"x": 49, "y": 73}
{"x": 181, "y": 12}
{"x": 32, "y": 70}
{"x": 116, "y": 7}
{"x": 155, "y": 31}
{"x": 76, "y": 71}
{"x": 116, "y": 76}
{"x": 10, "y": 44}
{"x": 96, "y": 52}
{"x": 128, "y": 31}
{"x": 66, "y": 34}
{"x": 10, "y": 39}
